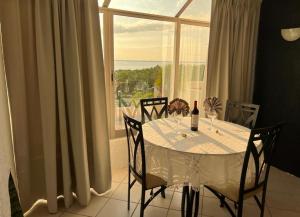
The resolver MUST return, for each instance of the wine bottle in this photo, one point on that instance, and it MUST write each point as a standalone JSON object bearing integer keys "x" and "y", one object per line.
{"x": 195, "y": 118}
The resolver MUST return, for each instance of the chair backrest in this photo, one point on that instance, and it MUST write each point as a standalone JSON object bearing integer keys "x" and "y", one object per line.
{"x": 241, "y": 113}
{"x": 136, "y": 149}
{"x": 259, "y": 152}
{"x": 158, "y": 108}
{"x": 180, "y": 106}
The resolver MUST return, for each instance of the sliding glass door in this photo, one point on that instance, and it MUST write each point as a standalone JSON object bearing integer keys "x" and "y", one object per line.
{"x": 143, "y": 59}
{"x": 149, "y": 55}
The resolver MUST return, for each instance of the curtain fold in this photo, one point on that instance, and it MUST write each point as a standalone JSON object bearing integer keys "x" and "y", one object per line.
{"x": 66, "y": 148}
{"x": 6, "y": 146}
{"x": 232, "y": 49}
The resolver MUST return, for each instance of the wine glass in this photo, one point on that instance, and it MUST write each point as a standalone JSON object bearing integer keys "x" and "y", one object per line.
{"x": 178, "y": 116}
{"x": 212, "y": 115}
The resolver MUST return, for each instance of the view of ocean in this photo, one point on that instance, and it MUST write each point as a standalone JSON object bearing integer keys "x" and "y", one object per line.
{"x": 133, "y": 64}
{"x": 138, "y": 64}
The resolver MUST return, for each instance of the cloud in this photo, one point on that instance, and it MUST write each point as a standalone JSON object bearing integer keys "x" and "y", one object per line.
{"x": 141, "y": 27}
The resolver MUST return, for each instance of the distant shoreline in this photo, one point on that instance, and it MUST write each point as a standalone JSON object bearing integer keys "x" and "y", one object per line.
{"x": 142, "y": 64}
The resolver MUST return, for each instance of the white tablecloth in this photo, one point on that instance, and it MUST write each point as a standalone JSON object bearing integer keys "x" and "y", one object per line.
{"x": 203, "y": 157}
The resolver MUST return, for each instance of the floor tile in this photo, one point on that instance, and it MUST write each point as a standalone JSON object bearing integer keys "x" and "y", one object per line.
{"x": 208, "y": 193}
{"x": 286, "y": 201}
{"x": 121, "y": 193}
{"x": 176, "y": 201}
{"x": 211, "y": 207}
{"x": 283, "y": 213}
{"x": 151, "y": 211}
{"x": 177, "y": 213}
{"x": 174, "y": 213}
{"x": 95, "y": 205}
{"x": 114, "y": 186}
{"x": 280, "y": 181}
{"x": 71, "y": 215}
{"x": 117, "y": 208}
{"x": 159, "y": 201}
{"x": 125, "y": 180}
{"x": 250, "y": 210}
{"x": 40, "y": 210}
{"x": 118, "y": 175}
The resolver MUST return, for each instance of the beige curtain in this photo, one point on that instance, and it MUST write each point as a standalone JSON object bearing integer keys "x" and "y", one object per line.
{"x": 57, "y": 98}
{"x": 232, "y": 49}
{"x": 7, "y": 164}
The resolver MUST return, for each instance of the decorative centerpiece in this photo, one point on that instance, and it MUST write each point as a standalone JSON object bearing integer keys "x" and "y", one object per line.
{"x": 178, "y": 106}
{"x": 212, "y": 106}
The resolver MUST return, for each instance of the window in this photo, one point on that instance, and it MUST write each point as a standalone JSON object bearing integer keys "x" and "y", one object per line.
{"x": 143, "y": 55}
{"x": 159, "y": 7}
{"x": 198, "y": 10}
{"x": 153, "y": 48}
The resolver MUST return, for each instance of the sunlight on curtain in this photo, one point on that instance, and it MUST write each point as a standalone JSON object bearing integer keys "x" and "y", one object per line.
{"x": 168, "y": 69}
{"x": 190, "y": 81}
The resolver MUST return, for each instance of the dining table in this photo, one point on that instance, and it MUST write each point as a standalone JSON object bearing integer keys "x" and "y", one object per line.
{"x": 211, "y": 156}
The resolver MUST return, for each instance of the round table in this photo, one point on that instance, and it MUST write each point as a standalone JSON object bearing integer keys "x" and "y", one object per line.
{"x": 201, "y": 158}
{"x": 206, "y": 157}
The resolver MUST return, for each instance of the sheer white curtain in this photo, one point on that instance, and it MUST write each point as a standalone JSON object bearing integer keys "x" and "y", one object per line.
{"x": 232, "y": 49}
{"x": 55, "y": 79}
{"x": 190, "y": 80}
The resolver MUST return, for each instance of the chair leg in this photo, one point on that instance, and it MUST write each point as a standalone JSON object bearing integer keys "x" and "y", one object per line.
{"x": 142, "y": 202}
{"x": 222, "y": 201}
{"x": 163, "y": 193}
{"x": 263, "y": 200}
{"x": 184, "y": 200}
{"x": 240, "y": 209}
{"x": 197, "y": 204}
{"x": 128, "y": 199}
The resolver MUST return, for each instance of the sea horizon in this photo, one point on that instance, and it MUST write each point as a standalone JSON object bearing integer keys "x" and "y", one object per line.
{"x": 143, "y": 64}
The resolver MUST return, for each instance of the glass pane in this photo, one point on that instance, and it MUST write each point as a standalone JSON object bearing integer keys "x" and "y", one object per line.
{"x": 165, "y": 7}
{"x": 192, "y": 63}
{"x": 100, "y": 3}
{"x": 198, "y": 10}
{"x": 143, "y": 55}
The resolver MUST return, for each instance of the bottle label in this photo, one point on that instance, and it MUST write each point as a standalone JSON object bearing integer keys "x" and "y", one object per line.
{"x": 195, "y": 120}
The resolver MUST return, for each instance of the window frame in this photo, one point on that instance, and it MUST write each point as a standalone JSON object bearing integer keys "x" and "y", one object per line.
{"x": 108, "y": 41}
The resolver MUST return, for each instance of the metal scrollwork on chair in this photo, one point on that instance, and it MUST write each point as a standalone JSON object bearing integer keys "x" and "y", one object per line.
{"x": 137, "y": 164}
{"x": 159, "y": 108}
{"x": 244, "y": 114}
{"x": 259, "y": 152}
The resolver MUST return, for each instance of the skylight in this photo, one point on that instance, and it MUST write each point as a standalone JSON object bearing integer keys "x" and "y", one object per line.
{"x": 198, "y": 10}
{"x": 159, "y": 7}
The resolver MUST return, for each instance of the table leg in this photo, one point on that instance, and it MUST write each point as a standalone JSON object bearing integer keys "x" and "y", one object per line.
{"x": 189, "y": 202}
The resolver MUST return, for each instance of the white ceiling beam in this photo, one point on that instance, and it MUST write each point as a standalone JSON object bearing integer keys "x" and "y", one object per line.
{"x": 154, "y": 17}
{"x": 187, "y": 3}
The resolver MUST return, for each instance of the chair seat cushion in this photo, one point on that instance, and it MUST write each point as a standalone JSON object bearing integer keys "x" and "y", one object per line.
{"x": 232, "y": 192}
{"x": 152, "y": 181}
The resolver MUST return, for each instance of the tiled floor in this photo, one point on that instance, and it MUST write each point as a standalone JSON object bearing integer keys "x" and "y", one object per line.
{"x": 283, "y": 200}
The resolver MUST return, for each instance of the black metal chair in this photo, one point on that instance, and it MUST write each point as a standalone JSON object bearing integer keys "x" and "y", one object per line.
{"x": 137, "y": 164}
{"x": 161, "y": 102}
{"x": 241, "y": 113}
{"x": 260, "y": 156}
